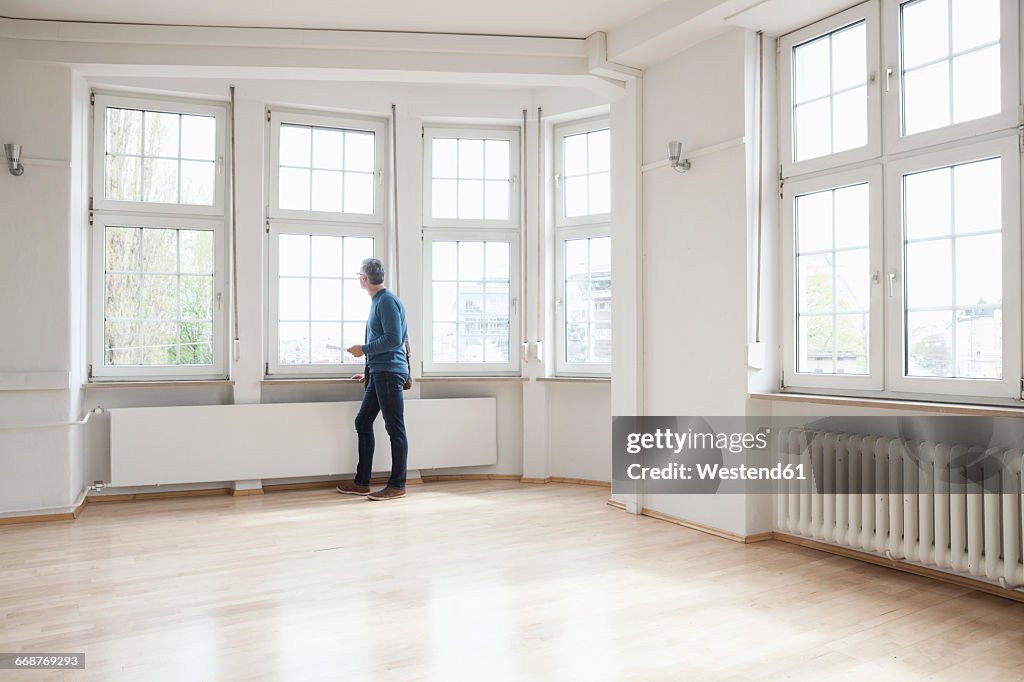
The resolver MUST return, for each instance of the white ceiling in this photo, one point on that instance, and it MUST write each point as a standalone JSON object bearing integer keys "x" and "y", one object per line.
{"x": 561, "y": 18}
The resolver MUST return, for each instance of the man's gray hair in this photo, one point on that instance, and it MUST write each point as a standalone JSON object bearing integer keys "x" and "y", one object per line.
{"x": 374, "y": 270}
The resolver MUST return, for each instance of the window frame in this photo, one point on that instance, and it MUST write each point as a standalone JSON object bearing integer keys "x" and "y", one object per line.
{"x": 98, "y": 370}
{"x": 1009, "y": 55}
{"x": 874, "y": 379}
{"x": 164, "y": 105}
{"x": 273, "y": 367}
{"x": 563, "y": 367}
{"x": 1007, "y": 148}
{"x": 507, "y": 133}
{"x": 868, "y": 13}
{"x": 561, "y": 132}
{"x": 431, "y": 368}
{"x": 378, "y": 126}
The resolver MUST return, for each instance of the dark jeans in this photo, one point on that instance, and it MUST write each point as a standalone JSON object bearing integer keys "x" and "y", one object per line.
{"x": 383, "y": 393}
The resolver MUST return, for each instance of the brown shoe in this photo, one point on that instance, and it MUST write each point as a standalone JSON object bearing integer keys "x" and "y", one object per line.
{"x": 353, "y": 488}
{"x": 388, "y": 493}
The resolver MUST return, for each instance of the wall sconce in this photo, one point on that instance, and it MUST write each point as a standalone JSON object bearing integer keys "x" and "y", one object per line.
{"x": 675, "y": 150}
{"x": 13, "y": 154}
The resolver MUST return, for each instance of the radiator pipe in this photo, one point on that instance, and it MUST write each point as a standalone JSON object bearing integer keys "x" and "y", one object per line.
{"x": 52, "y": 425}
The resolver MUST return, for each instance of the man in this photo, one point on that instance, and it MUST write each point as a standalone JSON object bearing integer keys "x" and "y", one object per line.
{"x": 388, "y": 368}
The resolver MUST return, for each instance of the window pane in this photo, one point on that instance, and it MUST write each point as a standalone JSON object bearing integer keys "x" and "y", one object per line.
{"x": 124, "y": 131}
{"x": 975, "y": 23}
{"x": 816, "y": 344}
{"x": 574, "y": 155}
{"x": 925, "y": 29}
{"x": 811, "y": 65}
{"x": 496, "y": 200}
{"x": 979, "y": 271}
{"x": 929, "y": 344}
{"x": 122, "y": 296}
{"x": 601, "y": 255}
{"x": 445, "y": 158}
{"x": 359, "y": 152}
{"x": 927, "y": 203}
{"x": 121, "y": 342}
{"x": 926, "y": 98}
{"x": 161, "y": 134}
{"x": 445, "y": 261}
{"x": 326, "y": 257}
{"x": 813, "y": 129}
{"x": 445, "y": 302}
{"x": 123, "y": 178}
{"x": 444, "y": 199}
{"x": 849, "y": 57}
{"x": 444, "y": 342}
{"x": 600, "y": 190}
{"x": 471, "y": 159}
{"x": 198, "y": 137}
{"x": 159, "y": 343}
{"x": 355, "y": 333}
{"x": 326, "y": 191}
{"x": 497, "y": 265}
{"x": 979, "y": 344}
{"x": 293, "y": 343}
{"x": 497, "y": 159}
{"x": 850, "y": 120}
{"x": 123, "y": 246}
{"x": 325, "y": 343}
{"x": 295, "y": 146}
{"x": 328, "y": 148}
{"x": 293, "y": 303}
{"x": 601, "y": 343}
{"x": 195, "y": 294}
{"x": 852, "y": 210}
{"x": 326, "y": 300}
{"x": 471, "y": 199}
{"x": 159, "y": 250}
{"x": 197, "y": 182}
{"x": 929, "y": 274}
{"x": 293, "y": 254}
{"x": 160, "y": 181}
{"x": 851, "y": 344}
{"x": 815, "y": 284}
{"x": 853, "y": 281}
{"x": 195, "y": 343}
{"x": 577, "y": 257}
{"x": 976, "y": 89}
{"x": 814, "y": 221}
{"x": 160, "y": 297}
{"x": 577, "y": 300}
{"x": 978, "y": 196}
{"x": 599, "y": 151}
{"x": 471, "y": 261}
{"x": 577, "y": 342}
{"x": 470, "y": 345}
{"x": 357, "y": 249}
{"x": 294, "y": 189}
{"x": 576, "y": 196}
{"x": 196, "y": 251}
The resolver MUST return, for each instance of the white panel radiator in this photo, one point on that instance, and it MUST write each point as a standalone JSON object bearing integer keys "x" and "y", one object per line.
{"x": 908, "y": 509}
{"x": 214, "y": 443}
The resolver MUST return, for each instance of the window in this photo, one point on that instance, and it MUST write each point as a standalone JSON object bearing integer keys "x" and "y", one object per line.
{"x": 471, "y": 177}
{"x": 321, "y": 308}
{"x": 157, "y": 240}
{"x": 911, "y": 285}
{"x": 471, "y": 247}
{"x": 327, "y": 168}
{"x": 326, "y": 215}
{"x": 472, "y": 304}
{"x": 583, "y": 248}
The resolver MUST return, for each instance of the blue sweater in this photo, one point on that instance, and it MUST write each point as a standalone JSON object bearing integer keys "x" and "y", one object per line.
{"x": 385, "y": 335}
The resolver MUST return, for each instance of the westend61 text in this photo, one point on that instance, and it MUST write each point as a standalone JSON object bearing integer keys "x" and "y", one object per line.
{"x": 717, "y": 472}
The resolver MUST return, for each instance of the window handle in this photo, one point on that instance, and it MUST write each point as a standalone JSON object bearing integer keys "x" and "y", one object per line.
{"x": 888, "y": 78}
{"x": 558, "y": 180}
{"x": 515, "y": 305}
{"x": 892, "y": 281}
{"x": 380, "y": 176}
{"x": 218, "y": 298}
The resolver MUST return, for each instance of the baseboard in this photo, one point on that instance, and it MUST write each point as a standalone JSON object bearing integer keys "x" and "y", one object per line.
{"x": 906, "y": 567}
{"x": 436, "y": 478}
{"x": 693, "y": 525}
{"x": 170, "y": 494}
{"x": 244, "y": 492}
{"x": 69, "y": 513}
{"x": 615, "y": 504}
{"x": 565, "y": 479}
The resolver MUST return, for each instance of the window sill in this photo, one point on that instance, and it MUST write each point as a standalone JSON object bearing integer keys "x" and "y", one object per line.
{"x": 195, "y": 383}
{"x": 575, "y": 380}
{"x": 893, "y": 404}
{"x": 450, "y": 379}
{"x": 295, "y": 381}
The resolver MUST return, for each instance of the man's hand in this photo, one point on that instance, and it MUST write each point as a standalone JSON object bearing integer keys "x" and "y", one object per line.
{"x": 356, "y": 351}
{"x": 357, "y": 377}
